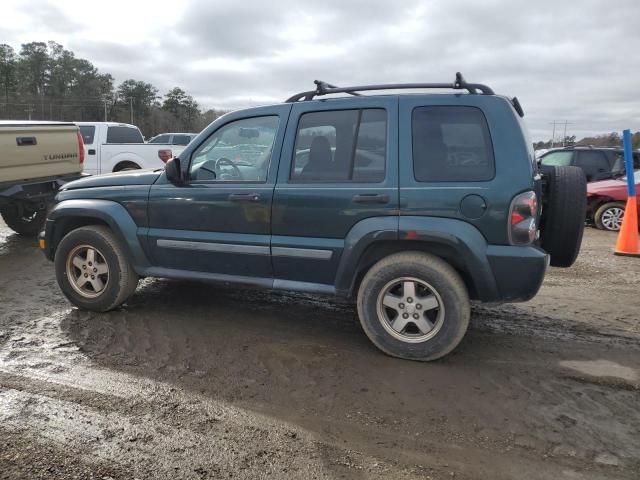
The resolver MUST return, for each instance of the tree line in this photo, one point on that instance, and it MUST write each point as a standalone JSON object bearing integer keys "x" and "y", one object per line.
{"x": 613, "y": 139}
{"x": 45, "y": 81}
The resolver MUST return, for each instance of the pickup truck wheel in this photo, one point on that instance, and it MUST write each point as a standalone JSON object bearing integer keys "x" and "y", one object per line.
{"x": 414, "y": 306}
{"x": 92, "y": 269}
{"x": 609, "y": 216}
{"x": 24, "y": 220}
{"x": 563, "y": 214}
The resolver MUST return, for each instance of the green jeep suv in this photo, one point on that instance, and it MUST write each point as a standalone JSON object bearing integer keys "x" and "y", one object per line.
{"x": 412, "y": 204}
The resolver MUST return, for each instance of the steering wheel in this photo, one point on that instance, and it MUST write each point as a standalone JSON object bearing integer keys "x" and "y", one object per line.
{"x": 225, "y": 162}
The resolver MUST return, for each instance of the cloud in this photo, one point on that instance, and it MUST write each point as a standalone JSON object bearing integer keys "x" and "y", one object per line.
{"x": 564, "y": 60}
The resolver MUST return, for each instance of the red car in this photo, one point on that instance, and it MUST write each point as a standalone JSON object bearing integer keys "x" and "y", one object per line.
{"x": 606, "y": 201}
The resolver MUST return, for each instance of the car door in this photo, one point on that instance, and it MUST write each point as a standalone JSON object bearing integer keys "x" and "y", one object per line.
{"x": 338, "y": 168}
{"x": 218, "y": 221}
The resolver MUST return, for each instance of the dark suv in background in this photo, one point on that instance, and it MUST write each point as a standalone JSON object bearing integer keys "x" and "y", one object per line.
{"x": 411, "y": 204}
{"x": 598, "y": 163}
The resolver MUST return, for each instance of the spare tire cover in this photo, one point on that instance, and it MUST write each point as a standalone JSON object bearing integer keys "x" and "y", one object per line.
{"x": 563, "y": 213}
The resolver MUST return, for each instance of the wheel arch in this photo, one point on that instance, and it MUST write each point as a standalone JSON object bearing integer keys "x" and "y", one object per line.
{"x": 71, "y": 214}
{"x": 457, "y": 242}
{"x": 121, "y": 165}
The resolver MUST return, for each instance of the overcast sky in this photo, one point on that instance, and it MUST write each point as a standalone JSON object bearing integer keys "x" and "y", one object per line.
{"x": 565, "y": 60}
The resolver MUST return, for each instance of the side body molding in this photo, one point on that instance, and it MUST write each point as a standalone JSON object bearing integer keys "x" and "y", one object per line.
{"x": 112, "y": 213}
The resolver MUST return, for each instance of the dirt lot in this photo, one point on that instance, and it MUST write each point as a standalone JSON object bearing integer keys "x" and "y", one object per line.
{"x": 194, "y": 380}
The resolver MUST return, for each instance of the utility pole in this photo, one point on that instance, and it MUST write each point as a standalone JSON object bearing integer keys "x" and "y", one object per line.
{"x": 131, "y": 108}
{"x": 553, "y": 135}
{"x": 564, "y": 139}
{"x": 29, "y": 109}
{"x": 105, "y": 107}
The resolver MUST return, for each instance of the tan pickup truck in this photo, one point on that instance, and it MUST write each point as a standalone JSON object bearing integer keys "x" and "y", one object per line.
{"x": 36, "y": 158}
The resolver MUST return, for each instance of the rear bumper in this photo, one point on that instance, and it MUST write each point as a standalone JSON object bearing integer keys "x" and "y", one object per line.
{"x": 34, "y": 190}
{"x": 518, "y": 271}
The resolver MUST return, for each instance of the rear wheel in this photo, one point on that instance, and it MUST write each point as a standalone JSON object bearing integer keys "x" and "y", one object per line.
{"x": 125, "y": 166}
{"x": 25, "y": 219}
{"x": 414, "y": 306}
{"x": 92, "y": 269}
{"x": 609, "y": 216}
{"x": 563, "y": 214}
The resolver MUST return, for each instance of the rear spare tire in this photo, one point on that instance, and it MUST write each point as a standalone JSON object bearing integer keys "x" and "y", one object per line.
{"x": 563, "y": 213}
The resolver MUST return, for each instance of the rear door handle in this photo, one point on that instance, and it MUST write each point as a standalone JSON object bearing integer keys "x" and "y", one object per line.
{"x": 244, "y": 197}
{"x": 91, "y": 151}
{"x": 371, "y": 198}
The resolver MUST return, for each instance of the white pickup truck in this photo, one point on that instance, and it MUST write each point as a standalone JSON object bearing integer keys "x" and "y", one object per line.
{"x": 113, "y": 147}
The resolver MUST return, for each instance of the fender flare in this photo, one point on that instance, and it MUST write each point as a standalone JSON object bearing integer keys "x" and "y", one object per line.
{"x": 109, "y": 212}
{"x": 464, "y": 239}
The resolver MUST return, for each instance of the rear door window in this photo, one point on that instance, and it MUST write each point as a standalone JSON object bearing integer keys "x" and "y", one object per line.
{"x": 341, "y": 146}
{"x": 593, "y": 163}
{"x": 161, "y": 139}
{"x": 124, "y": 135}
{"x": 181, "y": 139}
{"x": 451, "y": 144}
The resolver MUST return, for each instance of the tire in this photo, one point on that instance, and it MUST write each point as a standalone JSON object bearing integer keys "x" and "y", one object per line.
{"x": 26, "y": 221}
{"x": 435, "y": 282}
{"x": 609, "y": 216}
{"x": 563, "y": 214}
{"x": 126, "y": 166}
{"x": 120, "y": 281}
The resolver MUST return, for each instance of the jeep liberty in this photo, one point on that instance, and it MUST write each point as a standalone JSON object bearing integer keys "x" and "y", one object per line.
{"x": 412, "y": 204}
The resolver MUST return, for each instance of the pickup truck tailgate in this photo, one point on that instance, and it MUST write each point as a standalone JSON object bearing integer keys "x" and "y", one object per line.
{"x": 38, "y": 149}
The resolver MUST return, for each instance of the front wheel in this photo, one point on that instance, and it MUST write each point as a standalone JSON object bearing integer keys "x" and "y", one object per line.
{"x": 92, "y": 269}
{"x": 414, "y": 306}
{"x": 609, "y": 216}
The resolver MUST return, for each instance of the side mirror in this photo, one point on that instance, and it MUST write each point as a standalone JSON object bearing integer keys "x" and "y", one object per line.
{"x": 172, "y": 170}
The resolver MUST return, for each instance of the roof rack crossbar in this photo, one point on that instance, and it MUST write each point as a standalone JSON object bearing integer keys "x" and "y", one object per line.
{"x": 324, "y": 88}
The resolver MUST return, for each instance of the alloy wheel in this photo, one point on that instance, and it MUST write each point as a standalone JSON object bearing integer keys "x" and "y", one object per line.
{"x": 87, "y": 271}
{"x": 410, "y": 309}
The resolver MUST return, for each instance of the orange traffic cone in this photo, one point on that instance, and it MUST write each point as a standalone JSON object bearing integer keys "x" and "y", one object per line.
{"x": 627, "y": 243}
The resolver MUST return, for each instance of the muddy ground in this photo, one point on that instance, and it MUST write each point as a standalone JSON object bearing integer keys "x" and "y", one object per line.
{"x": 193, "y": 380}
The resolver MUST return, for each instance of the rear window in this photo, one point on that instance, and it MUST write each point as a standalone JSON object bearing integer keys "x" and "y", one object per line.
{"x": 124, "y": 135}
{"x": 88, "y": 132}
{"x": 451, "y": 144}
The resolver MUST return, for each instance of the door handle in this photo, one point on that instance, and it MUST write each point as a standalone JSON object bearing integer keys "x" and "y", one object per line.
{"x": 244, "y": 197}
{"x": 21, "y": 141}
{"x": 91, "y": 151}
{"x": 371, "y": 198}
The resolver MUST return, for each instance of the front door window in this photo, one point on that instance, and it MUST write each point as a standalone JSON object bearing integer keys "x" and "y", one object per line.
{"x": 238, "y": 152}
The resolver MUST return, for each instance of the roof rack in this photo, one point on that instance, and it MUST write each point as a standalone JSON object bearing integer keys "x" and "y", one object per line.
{"x": 324, "y": 88}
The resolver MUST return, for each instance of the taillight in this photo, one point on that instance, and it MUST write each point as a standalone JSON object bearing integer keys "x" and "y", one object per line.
{"x": 165, "y": 155}
{"x": 80, "y": 147}
{"x": 523, "y": 216}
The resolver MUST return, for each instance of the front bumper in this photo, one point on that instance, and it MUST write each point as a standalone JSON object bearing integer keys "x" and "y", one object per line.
{"x": 518, "y": 271}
